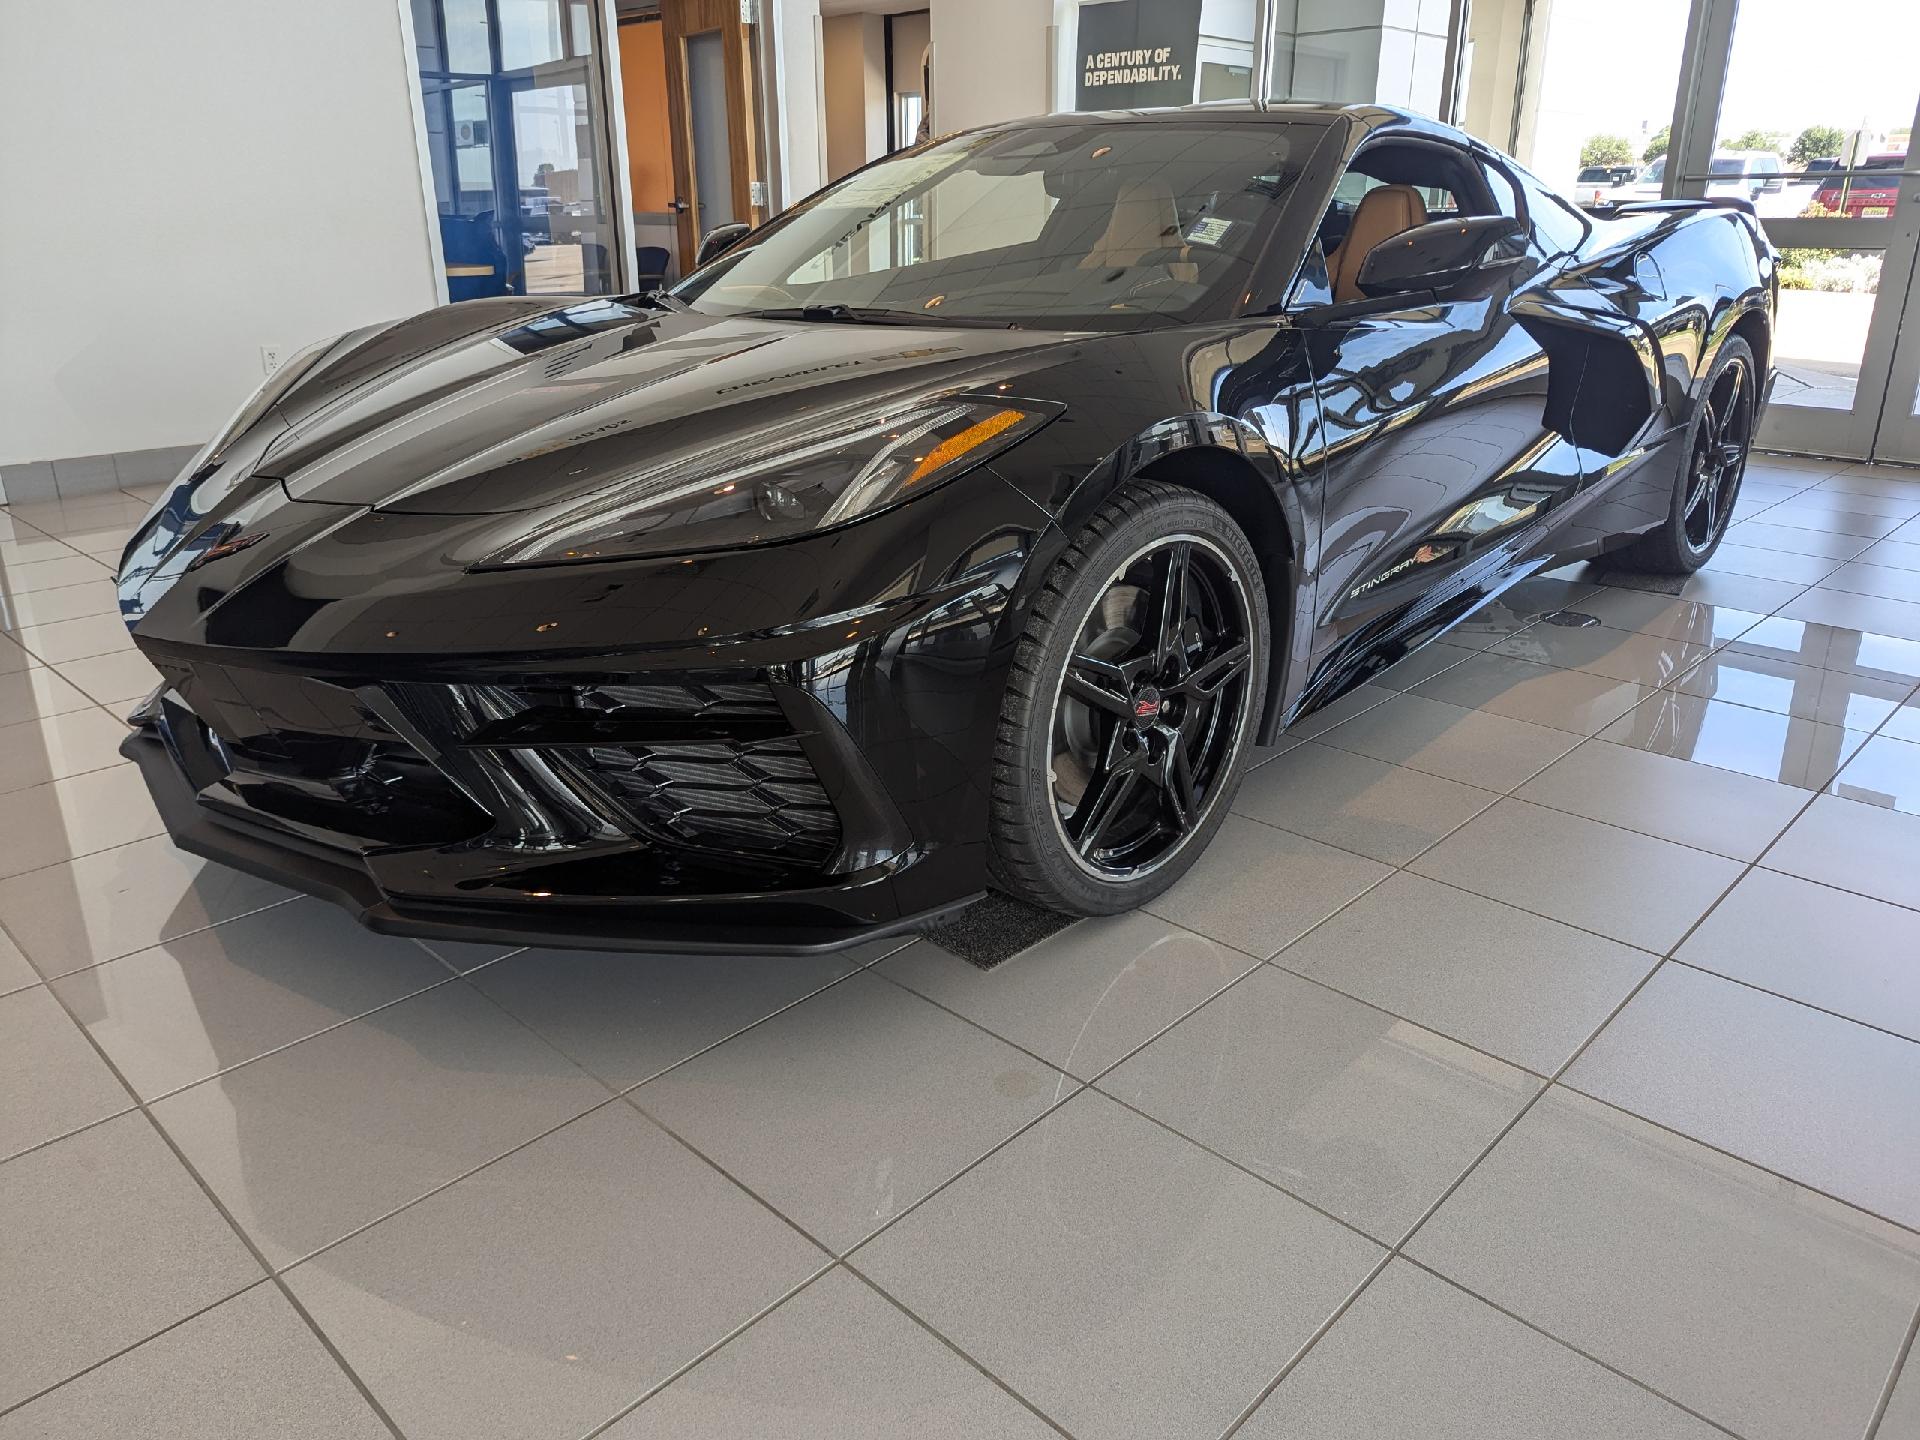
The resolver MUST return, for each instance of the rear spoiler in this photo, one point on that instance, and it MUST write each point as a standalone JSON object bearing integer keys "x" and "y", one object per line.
{"x": 1613, "y": 210}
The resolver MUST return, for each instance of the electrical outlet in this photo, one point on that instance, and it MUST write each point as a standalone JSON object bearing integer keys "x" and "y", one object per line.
{"x": 270, "y": 358}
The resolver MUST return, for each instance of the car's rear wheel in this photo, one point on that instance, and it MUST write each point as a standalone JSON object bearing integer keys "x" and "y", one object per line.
{"x": 1131, "y": 705}
{"x": 1709, "y": 482}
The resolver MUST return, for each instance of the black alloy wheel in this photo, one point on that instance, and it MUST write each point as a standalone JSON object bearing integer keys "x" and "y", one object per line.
{"x": 1719, "y": 455}
{"x": 1709, "y": 482}
{"x": 1132, "y": 705}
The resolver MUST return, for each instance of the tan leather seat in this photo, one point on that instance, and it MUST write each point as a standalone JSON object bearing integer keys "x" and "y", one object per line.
{"x": 1383, "y": 213}
{"x": 1144, "y": 220}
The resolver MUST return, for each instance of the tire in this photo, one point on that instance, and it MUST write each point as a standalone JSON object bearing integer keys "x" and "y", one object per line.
{"x": 1704, "y": 492}
{"x": 1112, "y": 774}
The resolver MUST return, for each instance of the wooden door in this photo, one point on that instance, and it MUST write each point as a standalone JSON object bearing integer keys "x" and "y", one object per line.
{"x": 710, "y": 112}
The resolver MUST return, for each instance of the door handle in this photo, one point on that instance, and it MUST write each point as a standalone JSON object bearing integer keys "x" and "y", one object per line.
{"x": 678, "y": 206}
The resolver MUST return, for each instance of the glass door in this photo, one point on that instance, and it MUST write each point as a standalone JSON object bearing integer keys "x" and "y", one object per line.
{"x": 1817, "y": 138}
{"x": 515, "y": 121}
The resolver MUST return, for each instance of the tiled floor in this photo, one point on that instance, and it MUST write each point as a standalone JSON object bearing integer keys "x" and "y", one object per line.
{"x": 1536, "y": 1053}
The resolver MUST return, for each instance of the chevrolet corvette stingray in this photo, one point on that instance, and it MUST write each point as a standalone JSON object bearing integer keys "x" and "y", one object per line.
{"x": 965, "y": 527}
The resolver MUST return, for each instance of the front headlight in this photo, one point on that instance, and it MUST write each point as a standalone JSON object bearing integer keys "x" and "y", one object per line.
{"x": 779, "y": 483}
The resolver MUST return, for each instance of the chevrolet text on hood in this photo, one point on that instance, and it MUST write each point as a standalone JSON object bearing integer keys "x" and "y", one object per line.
{"x": 962, "y": 528}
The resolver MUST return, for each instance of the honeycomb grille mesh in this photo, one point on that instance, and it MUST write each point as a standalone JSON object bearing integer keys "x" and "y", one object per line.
{"x": 759, "y": 796}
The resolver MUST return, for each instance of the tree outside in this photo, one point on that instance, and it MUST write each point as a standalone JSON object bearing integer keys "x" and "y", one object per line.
{"x": 1756, "y": 140}
{"x": 1607, "y": 150}
{"x": 1656, "y": 144}
{"x": 1816, "y": 142}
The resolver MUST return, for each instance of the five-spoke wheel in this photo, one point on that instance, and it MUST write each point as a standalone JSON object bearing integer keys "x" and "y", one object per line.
{"x": 1132, "y": 704}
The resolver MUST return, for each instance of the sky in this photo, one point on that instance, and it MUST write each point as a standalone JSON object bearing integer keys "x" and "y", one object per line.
{"x": 1612, "y": 67}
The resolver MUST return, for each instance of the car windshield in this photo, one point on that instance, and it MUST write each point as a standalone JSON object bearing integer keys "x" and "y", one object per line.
{"x": 1655, "y": 172}
{"x": 1075, "y": 225}
{"x": 1722, "y": 165}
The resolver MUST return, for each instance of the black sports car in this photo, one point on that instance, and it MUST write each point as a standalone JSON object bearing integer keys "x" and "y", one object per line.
{"x": 964, "y": 527}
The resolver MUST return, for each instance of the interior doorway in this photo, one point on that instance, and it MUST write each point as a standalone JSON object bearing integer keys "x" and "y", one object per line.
{"x": 708, "y": 52}
{"x": 514, "y": 104}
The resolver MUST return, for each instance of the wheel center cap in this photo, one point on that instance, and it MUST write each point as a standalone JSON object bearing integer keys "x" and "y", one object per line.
{"x": 1146, "y": 706}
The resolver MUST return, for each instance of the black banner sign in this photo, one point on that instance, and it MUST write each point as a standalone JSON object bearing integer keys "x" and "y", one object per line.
{"x": 1135, "y": 53}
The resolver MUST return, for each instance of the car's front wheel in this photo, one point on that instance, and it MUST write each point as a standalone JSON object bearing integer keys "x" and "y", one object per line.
{"x": 1131, "y": 705}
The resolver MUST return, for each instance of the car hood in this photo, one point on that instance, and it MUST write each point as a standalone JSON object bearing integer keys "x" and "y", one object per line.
{"x": 503, "y": 407}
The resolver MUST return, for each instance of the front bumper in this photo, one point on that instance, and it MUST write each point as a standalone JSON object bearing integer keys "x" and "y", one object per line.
{"x": 859, "y": 907}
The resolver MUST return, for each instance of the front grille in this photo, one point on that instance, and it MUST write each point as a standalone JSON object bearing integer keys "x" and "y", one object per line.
{"x": 707, "y": 764}
{"x": 755, "y": 795}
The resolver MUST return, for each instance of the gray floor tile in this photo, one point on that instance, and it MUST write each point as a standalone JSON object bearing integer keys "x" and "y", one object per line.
{"x": 1833, "y": 647}
{"x": 68, "y": 602}
{"x": 1902, "y": 1420}
{"x": 1785, "y": 749}
{"x": 1889, "y": 582}
{"x": 51, "y": 1080}
{"x": 1124, "y": 1281}
{"x": 24, "y": 546}
{"x": 121, "y": 900}
{"x": 51, "y": 574}
{"x": 1084, "y": 997}
{"x": 75, "y": 816}
{"x": 16, "y": 971}
{"x": 1540, "y": 694}
{"x": 1364, "y": 1115}
{"x": 1770, "y": 1309}
{"x": 56, "y": 746}
{"x": 324, "y": 1137}
{"x": 836, "y": 1362}
{"x": 851, "y": 1106}
{"x": 1833, "y": 697}
{"x": 1668, "y": 616}
{"x": 107, "y": 1241}
{"x": 1526, "y": 989}
{"x": 1635, "y": 888}
{"x": 1416, "y": 1357}
{"x": 1904, "y": 724}
{"x": 63, "y": 640}
{"x": 545, "y": 1293}
{"x": 217, "y": 998}
{"x": 1842, "y": 952}
{"x": 1818, "y": 1099}
{"x": 1258, "y": 888}
{"x": 247, "y": 1367}
{"x": 1631, "y": 656}
{"x": 1868, "y": 613}
{"x": 1742, "y": 592}
{"x": 1902, "y": 553}
{"x": 1829, "y": 497}
{"x": 1885, "y": 772}
{"x": 118, "y": 681}
{"x": 1710, "y": 809}
{"x": 626, "y": 1016}
{"x": 1838, "y": 517}
{"x": 1795, "y": 540}
{"x": 1474, "y": 747}
{"x": 35, "y": 690}
{"x": 1762, "y": 564}
{"x": 1354, "y": 802}
{"x": 1355, "y": 701}
{"x": 1853, "y": 847}
{"x": 1423, "y": 664}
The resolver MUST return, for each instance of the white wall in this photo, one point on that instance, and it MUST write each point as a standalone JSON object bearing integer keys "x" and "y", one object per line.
{"x": 856, "y": 91}
{"x": 185, "y": 183}
{"x": 802, "y": 137}
{"x": 989, "y": 61}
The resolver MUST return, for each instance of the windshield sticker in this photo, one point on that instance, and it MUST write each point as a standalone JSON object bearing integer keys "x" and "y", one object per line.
{"x": 1210, "y": 230}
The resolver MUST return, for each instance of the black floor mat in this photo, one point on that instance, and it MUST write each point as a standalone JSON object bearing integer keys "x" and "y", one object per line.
{"x": 994, "y": 930}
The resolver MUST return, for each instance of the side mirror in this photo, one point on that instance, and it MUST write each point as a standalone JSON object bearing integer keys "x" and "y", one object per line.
{"x": 1433, "y": 257}
{"x": 720, "y": 239}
